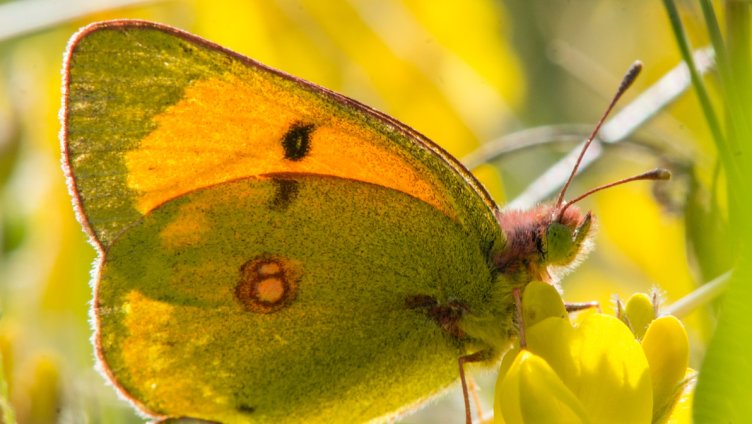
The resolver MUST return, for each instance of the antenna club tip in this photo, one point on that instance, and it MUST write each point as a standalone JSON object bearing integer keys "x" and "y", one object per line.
{"x": 661, "y": 174}
{"x": 631, "y": 74}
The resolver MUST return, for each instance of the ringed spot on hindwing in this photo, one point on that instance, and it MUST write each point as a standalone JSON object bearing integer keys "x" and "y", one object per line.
{"x": 268, "y": 283}
{"x": 297, "y": 141}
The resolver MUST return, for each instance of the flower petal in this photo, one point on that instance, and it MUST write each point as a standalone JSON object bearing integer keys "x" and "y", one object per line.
{"x": 532, "y": 392}
{"x": 667, "y": 350}
{"x": 540, "y": 301}
{"x": 601, "y": 363}
{"x": 640, "y": 312}
{"x": 681, "y": 412}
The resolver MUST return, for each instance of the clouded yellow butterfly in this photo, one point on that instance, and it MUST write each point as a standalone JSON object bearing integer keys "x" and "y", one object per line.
{"x": 271, "y": 251}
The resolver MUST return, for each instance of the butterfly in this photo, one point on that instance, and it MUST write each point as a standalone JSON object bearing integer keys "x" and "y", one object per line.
{"x": 272, "y": 251}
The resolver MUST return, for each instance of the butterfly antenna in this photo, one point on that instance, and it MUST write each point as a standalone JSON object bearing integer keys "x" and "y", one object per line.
{"x": 656, "y": 174}
{"x": 627, "y": 81}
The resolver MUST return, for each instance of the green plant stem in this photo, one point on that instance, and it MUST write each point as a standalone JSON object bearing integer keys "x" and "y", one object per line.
{"x": 713, "y": 123}
{"x": 722, "y": 392}
{"x": 740, "y": 70}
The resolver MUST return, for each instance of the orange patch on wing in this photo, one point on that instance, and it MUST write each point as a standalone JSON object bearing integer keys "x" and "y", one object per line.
{"x": 270, "y": 290}
{"x": 187, "y": 228}
{"x": 231, "y": 128}
{"x": 144, "y": 317}
{"x": 269, "y": 268}
{"x": 154, "y": 347}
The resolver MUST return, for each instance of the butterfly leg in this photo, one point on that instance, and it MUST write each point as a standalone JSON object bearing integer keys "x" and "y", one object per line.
{"x": 473, "y": 389}
{"x": 519, "y": 317}
{"x": 576, "y": 307}
{"x": 479, "y": 356}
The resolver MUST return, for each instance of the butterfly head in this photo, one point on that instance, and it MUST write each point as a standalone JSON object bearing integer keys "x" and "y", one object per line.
{"x": 545, "y": 242}
{"x": 555, "y": 237}
{"x": 551, "y": 238}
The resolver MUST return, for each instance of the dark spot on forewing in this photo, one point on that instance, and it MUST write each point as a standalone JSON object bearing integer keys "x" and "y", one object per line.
{"x": 297, "y": 141}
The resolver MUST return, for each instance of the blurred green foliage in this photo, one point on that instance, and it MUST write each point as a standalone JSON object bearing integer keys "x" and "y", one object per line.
{"x": 461, "y": 73}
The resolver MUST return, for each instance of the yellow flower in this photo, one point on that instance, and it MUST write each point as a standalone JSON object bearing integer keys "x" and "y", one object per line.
{"x": 595, "y": 371}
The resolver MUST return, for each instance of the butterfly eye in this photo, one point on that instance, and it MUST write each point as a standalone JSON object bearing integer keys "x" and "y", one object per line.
{"x": 560, "y": 240}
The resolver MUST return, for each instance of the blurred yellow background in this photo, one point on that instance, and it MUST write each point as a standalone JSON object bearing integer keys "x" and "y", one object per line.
{"x": 462, "y": 73}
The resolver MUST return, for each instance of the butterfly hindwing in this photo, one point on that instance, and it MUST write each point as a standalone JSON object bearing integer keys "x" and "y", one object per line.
{"x": 249, "y": 302}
